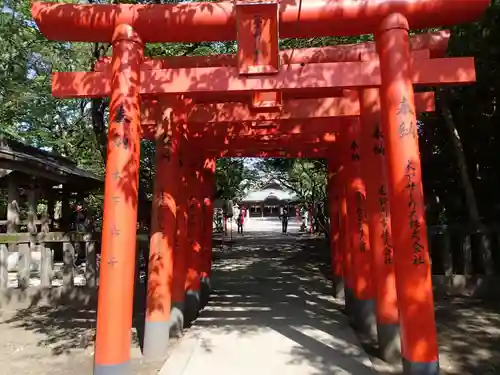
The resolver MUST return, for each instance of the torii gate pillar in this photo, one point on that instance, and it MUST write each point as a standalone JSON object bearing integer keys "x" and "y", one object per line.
{"x": 334, "y": 212}
{"x": 345, "y": 242}
{"x": 208, "y": 189}
{"x": 194, "y": 232}
{"x": 114, "y": 313}
{"x": 181, "y": 249}
{"x": 377, "y": 206}
{"x": 364, "y": 311}
{"x": 411, "y": 256}
{"x": 162, "y": 243}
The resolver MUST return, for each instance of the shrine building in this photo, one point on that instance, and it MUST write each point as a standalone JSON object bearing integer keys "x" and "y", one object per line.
{"x": 267, "y": 201}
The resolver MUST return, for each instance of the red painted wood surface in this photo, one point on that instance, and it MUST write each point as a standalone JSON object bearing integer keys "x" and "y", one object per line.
{"x": 196, "y": 22}
{"x": 312, "y": 78}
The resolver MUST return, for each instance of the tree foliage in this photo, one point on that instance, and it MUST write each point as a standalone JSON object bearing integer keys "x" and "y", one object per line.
{"x": 233, "y": 178}
{"x": 28, "y": 110}
{"x": 305, "y": 177}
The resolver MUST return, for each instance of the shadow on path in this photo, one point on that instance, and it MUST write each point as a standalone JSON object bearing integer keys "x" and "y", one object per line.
{"x": 272, "y": 312}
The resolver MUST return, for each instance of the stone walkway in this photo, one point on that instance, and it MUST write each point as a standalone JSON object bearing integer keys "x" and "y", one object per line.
{"x": 270, "y": 313}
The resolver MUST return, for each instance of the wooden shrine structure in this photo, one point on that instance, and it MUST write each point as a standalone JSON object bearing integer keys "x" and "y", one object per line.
{"x": 268, "y": 201}
{"x": 354, "y": 105}
{"x": 29, "y": 176}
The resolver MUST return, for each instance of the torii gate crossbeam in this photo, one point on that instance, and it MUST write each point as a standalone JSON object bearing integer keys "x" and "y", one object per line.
{"x": 197, "y": 22}
{"x": 290, "y": 78}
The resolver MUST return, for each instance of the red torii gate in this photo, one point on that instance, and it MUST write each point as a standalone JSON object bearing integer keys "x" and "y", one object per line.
{"x": 325, "y": 133}
{"x": 127, "y": 27}
{"x": 322, "y": 148}
{"x": 289, "y": 110}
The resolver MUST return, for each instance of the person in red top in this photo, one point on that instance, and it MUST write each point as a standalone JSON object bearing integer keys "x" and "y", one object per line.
{"x": 244, "y": 210}
{"x": 240, "y": 220}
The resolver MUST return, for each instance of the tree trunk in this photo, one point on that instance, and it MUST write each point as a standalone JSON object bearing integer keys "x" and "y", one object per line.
{"x": 98, "y": 107}
{"x": 470, "y": 198}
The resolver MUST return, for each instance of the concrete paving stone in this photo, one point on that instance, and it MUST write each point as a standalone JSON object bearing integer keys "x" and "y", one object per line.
{"x": 268, "y": 314}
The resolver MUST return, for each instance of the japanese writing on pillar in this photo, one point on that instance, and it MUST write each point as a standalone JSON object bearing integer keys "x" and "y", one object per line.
{"x": 120, "y": 136}
{"x": 159, "y": 247}
{"x": 354, "y": 151}
{"x": 115, "y": 230}
{"x": 382, "y": 203}
{"x": 162, "y": 201}
{"x": 418, "y": 249}
{"x": 176, "y": 241}
{"x": 337, "y": 212}
{"x": 191, "y": 222}
{"x": 167, "y": 147}
{"x": 257, "y": 34}
{"x": 360, "y": 218}
{"x": 406, "y": 116}
{"x": 203, "y": 213}
{"x": 378, "y": 147}
{"x": 177, "y": 231}
{"x": 181, "y": 163}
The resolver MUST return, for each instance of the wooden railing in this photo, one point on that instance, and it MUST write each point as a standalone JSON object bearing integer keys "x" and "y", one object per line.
{"x": 26, "y": 222}
{"x": 47, "y": 244}
{"x": 25, "y": 244}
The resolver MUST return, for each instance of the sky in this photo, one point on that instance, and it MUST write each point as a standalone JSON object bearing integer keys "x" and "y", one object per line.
{"x": 6, "y": 9}
{"x": 250, "y": 162}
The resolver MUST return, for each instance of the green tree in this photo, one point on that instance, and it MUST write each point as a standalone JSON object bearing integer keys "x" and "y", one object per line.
{"x": 29, "y": 111}
{"x": 233, "y": 178}
{"x": 306, "y": 177}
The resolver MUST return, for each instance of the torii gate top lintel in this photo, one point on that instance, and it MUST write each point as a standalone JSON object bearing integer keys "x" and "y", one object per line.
{"x": 204, "y": 21}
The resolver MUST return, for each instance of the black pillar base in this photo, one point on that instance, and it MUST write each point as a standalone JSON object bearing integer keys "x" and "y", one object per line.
{"x": 420, "y": 368}
{"x": 338, "y": 287}
{"x": 192, "y": 307}
{"x": 364, "y": 318}
{"x": 177, "y": 319}
{"x": 389, "y": 342}
{"x": 205, "y": 291}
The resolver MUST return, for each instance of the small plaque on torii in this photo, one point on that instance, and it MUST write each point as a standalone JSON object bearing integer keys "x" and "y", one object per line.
{"x": 257, "y": 37}
{"x": 257, "y": 24}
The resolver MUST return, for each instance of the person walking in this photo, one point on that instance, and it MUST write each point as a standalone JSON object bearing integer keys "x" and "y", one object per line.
{"x": 284, "y": 220}
{"x": 240, "y": 220}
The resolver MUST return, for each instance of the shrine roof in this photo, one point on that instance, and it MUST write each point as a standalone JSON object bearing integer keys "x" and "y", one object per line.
{"x": 271, "y": 191}
{"x": 19, "y": 158}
